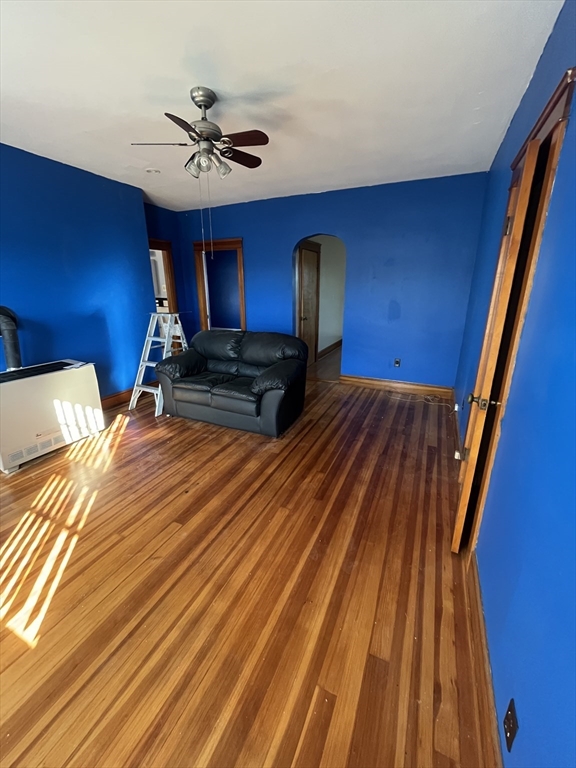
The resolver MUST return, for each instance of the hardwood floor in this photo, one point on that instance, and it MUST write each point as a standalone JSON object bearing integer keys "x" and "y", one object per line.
{"x": 179, "y": 594}
{"x": 327, "y": 368}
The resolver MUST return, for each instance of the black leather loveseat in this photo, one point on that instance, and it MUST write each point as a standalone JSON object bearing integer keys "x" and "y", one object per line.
{"x": 247, "y": 380}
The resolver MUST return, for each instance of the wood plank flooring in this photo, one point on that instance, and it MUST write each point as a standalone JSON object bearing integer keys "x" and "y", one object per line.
{"x": 179, "y": 594}
{"x": 327, "y": 368}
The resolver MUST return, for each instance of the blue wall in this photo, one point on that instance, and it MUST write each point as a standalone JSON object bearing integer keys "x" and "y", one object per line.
{"x": 558, "y": 56}
{"x": 223, "y": 289}
{"x": 165, "y": 225}
{"x": 527, "y": 547}
{"x": 74, "y": 266}
{"x": 410, "y": 257}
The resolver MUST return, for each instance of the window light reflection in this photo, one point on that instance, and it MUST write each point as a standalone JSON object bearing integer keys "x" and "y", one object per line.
{"x": 77, "y": 421}
{"x": 34, "y": 557}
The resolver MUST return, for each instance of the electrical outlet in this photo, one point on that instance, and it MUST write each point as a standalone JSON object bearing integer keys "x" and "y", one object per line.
{"x": 510, "y": 725}
{"x": 397, "y": 362}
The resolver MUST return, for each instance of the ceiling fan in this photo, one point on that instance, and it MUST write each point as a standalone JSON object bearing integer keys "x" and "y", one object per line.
{"x": 208, "y": 137}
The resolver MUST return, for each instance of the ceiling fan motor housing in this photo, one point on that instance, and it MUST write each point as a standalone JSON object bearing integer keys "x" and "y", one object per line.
{"x": 208, "y": 130}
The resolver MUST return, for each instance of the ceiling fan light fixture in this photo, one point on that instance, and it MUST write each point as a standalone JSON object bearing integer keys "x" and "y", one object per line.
{"x": 204, "y": 161}
{"x": 221, "y": 166}
{"x": 192, "y": 167}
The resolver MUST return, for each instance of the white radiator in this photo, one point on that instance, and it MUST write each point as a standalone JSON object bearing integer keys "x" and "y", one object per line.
{"x": 42, "y": 409}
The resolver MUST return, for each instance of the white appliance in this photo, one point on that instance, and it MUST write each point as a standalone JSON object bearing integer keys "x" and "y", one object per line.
{"x": 43, "y": 407}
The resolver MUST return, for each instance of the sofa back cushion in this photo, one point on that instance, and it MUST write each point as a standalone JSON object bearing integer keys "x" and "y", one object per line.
{"x": 220, "y": 348}
{"x": 223, "y": 366}
{"x": 246, "y": 353}
{"x": 263, "y": 349}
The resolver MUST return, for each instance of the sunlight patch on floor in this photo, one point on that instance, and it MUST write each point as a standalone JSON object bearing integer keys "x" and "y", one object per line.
{"x": 35, "y": 555}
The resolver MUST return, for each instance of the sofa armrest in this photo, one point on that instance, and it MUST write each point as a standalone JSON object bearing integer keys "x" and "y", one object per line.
{"x": 181, "y": 366}
{"x": 281, "y": 375}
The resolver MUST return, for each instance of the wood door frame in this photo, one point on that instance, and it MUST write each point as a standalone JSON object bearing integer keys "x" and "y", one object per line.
{"x": 551, "y": 125}
{"x": 166, "y": 247}
{"x": 516, "y": 209}
{"x": 309, "y": 245}
{"x": 534, "y": 250}
{"x": 224, "y": 244}
{"x": 557, "y": 110}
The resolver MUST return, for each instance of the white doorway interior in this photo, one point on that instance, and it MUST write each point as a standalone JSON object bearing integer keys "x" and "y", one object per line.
{"x": 320, "y": 274}
{"x": 331, "y": 294}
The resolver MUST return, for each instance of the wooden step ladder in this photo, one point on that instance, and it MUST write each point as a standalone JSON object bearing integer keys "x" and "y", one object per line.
{"x": 164, "y": 332}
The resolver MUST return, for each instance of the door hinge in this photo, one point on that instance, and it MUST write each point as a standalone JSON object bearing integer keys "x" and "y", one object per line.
{"x": 465, "y": 454}
{"x": 508, "y": 226}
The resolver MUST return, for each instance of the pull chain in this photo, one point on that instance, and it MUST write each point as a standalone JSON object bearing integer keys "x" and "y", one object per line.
{"x": 202, "y": 218}
{"x": 210, "y": 217}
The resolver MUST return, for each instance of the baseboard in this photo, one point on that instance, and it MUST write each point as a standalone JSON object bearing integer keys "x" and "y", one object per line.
{"x": 331, "y": 348}
{"x": 404, "y": 387}
{"x": 111, "y": 401}
{"x": 481, "y": 659}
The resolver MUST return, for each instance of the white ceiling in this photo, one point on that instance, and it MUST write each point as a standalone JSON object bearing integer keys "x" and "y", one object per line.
{"x": 352, "y": 93}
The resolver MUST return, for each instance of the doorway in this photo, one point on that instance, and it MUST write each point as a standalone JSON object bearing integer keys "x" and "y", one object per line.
{"x": 533, "y": 172}
{"x": 163, "y": 280}
{"x": 220, "y": 282}
{"x": 319, "y": 278}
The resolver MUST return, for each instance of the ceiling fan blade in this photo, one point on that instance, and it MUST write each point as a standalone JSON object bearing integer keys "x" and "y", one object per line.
{"x": 160, "y": 144}
{"x": 248, "y": 139}
{"x": 243, "y": 158}
{"x": 181, "y": 123}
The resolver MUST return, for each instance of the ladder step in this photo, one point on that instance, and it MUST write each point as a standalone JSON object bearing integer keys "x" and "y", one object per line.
{"x": 147, "y": 388}
{"x": 172, "y": 340}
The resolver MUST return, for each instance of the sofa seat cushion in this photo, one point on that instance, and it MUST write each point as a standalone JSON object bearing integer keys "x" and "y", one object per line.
{"x": 236, "y": 396}
{"x": 196, "y": 389}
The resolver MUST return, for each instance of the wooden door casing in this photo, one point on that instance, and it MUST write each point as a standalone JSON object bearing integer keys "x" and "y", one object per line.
{"x": 166, "y": 247}
{"x": 532, "y": 260}
{"x": 309, "y": 296}
{"x": 516, "y": 210}
{"x": 540, "y": 153}
{"x": 227, "y": 244}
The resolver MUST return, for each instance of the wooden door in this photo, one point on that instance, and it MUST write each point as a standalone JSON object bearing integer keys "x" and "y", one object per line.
{"x": 533, "y": 177}
{"x": 509, "y": 248}
{"x": 309, "y": 290}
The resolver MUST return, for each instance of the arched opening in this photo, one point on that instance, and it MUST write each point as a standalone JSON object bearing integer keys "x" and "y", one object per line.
{"x": 319, "y": 278}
